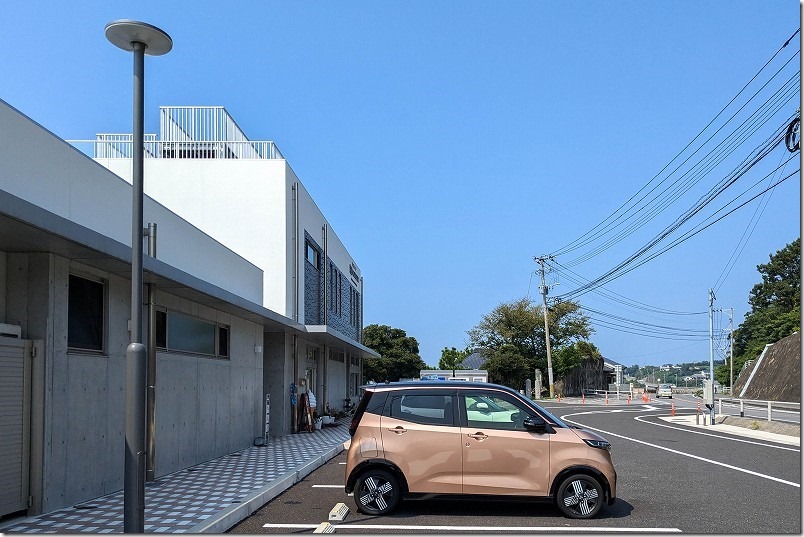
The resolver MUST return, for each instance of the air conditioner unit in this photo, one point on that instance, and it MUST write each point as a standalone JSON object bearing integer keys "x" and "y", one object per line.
{"x": 10, "y": 330}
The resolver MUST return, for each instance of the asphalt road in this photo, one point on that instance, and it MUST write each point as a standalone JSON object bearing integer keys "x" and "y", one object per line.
{"x": 671, "y": 478}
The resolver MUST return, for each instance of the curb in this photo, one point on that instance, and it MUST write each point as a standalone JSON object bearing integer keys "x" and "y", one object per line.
{"x": 228, "y": 517}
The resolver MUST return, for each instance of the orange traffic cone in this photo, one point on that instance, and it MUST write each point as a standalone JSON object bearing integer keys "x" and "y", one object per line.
{"x": 583, "y": 398}
{"x": 672, "y": 409}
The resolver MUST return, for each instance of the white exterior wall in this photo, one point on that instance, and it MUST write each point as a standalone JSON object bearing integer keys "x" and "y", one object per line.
{"x": 48, "y": 172}
{"x": 241, "y": 203}
{"x": 246, "y": 205}
{"x": 312, "y": 220}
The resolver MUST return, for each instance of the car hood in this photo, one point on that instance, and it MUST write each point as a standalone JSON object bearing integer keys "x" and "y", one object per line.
{"x": 586, "y": 434}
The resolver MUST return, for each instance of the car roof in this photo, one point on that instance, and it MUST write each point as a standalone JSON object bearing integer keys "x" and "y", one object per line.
{"x": 457, "y": 384}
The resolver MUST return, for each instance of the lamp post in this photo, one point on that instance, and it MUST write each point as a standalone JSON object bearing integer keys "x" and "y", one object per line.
{"x": 139, "y": 38}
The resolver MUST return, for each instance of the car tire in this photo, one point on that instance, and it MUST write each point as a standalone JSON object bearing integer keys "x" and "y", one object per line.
{"x": 580, "y": 496}
{"x": 377, "y": 492}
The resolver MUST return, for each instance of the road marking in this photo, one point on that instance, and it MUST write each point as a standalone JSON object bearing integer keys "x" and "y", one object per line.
{"x": 744, "y": 470}
{"x": 540, "y": 529}
{"x": 641, "y": 419}
{"x": 327, "y": 486}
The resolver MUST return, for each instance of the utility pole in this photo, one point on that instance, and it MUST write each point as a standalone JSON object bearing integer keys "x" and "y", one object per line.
{"x": 731, "y": 351}
{"x": 541, "y": 261}
{"x": 711, "y": 357}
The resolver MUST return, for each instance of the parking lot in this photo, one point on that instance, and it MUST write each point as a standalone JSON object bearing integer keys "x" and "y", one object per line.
{"x": 671, "y": 478}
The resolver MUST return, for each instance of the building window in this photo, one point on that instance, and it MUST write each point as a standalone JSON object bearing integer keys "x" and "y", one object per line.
{"x": 223, "y": 341}
{"x": 312, "y": 255}
{"x": 176, "y": 332}
{"x": 85, "y": 314}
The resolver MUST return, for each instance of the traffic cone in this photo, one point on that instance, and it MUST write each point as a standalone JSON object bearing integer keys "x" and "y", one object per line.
{"x": 672, "y": 409}
{"x": 583, "y": 398}
{"x": 607, "y": 397}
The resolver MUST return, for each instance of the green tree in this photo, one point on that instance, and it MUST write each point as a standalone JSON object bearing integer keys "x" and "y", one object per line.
{"x": 571, "y": 356}
{"x": 516, "y": 329}
{"x": 507, "y": 366}
{"x": 399, "y": 354}
{"x": 452, "y": 358}
{"x": 775, "y": 305}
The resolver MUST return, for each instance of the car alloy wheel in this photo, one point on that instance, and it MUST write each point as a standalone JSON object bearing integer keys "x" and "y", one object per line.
{"x": 376, "y": 493}
{"x": 580, "y": 496}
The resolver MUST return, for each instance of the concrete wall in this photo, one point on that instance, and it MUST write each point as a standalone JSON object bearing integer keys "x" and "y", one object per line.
{"x": 277, "y": 376}
{"x": 205, "y": 407}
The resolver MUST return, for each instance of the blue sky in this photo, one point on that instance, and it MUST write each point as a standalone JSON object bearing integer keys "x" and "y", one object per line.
{"x": 449, "y": 143}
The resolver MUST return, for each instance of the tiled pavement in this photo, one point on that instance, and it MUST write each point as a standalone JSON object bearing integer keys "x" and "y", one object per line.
{"x": 208, "y": 498}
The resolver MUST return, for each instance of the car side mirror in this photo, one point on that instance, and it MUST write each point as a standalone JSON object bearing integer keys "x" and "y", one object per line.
{"x": 535, "y": 424}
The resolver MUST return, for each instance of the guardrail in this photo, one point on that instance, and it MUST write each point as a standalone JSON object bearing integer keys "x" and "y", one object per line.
{"x": 757, "y": 403}
{"x": 769, "y": 406}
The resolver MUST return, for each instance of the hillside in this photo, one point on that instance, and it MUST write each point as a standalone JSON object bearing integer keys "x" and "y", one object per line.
{"x": 776, "y": 376}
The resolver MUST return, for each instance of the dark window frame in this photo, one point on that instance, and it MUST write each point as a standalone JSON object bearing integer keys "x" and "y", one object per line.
{"x": 221, "y": 349}
{"x": 86, "y": 315}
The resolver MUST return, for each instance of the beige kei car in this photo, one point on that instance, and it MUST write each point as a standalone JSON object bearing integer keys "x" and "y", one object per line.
{"x": 471, "y": 438}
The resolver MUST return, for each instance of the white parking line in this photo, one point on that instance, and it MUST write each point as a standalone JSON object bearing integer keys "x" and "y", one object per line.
{"x": 467, "y": 529}
{"x": 744, "y": 470}
{"x": 328, "y": 486}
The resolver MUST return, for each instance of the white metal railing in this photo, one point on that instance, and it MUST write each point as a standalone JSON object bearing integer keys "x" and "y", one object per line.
{"x": 769, "y": 406}
{"x": 185, "y": 132}
{"x": 120, "y": 146}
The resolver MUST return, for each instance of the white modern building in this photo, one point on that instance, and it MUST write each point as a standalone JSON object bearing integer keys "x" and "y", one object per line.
{"x": 249, "y": 291}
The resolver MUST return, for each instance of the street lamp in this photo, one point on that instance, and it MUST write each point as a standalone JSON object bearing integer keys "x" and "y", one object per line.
{"x": 139, "y": 38}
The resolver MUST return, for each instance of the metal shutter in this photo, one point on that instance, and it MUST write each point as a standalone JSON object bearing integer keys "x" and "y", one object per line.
{"x": 14, "y": 424}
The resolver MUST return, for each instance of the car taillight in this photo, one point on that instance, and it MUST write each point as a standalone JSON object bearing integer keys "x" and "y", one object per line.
{"x": 353, "y": 425}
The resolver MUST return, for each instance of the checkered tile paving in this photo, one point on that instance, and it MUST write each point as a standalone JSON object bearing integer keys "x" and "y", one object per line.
{"x": 179, "y": 501}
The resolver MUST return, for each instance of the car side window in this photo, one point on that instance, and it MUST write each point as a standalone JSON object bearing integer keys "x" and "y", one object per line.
{"x": 493, "y": 411}
{"x": 421, "y": 408}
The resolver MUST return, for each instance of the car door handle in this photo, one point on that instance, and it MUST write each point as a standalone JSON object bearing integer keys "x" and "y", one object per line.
{"x": 478, "y": 436}
{"x": 398, "y": 430}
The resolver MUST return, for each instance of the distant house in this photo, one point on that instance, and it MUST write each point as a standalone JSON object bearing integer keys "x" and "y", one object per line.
{"x": 476, "y": 360}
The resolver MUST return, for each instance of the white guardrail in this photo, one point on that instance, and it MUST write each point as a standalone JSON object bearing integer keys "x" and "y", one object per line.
{"x": 769, "y": 406}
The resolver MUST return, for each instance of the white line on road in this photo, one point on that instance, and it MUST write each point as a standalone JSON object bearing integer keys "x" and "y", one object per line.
{"x": 641, "y": 419}
{"x": 521, "y": 529}
{"x": 327, "y": 486}
{"x": 744, "y": 470}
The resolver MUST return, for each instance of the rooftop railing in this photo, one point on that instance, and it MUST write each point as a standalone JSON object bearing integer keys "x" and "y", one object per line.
{"x": 120, "y": 146}
{"x": 185, "y": 132}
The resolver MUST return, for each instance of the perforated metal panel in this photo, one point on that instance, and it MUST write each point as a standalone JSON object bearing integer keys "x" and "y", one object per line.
{"x": 15, "y": 369}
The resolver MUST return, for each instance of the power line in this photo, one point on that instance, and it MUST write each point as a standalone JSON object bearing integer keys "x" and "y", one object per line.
{"x": 573, "y": 245}
{"x": 622, "y": 268}
{"x": 645, "y": 212}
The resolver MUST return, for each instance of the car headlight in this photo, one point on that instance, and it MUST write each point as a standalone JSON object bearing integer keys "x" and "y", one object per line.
{"x": 599, "y": 444}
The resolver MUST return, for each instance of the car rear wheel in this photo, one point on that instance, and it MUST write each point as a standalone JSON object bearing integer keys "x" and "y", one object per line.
{"x": 377, "y": 493}
{"x": 580, "y": 496}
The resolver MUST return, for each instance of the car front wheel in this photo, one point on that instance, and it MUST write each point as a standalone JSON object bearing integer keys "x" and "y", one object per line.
{"x": 580, "y": 496}
{"x": 377, "y": 493}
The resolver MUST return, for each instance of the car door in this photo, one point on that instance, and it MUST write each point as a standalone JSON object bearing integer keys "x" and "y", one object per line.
{"x": 499, "y": 455}
{"x": 421, "y": 437}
